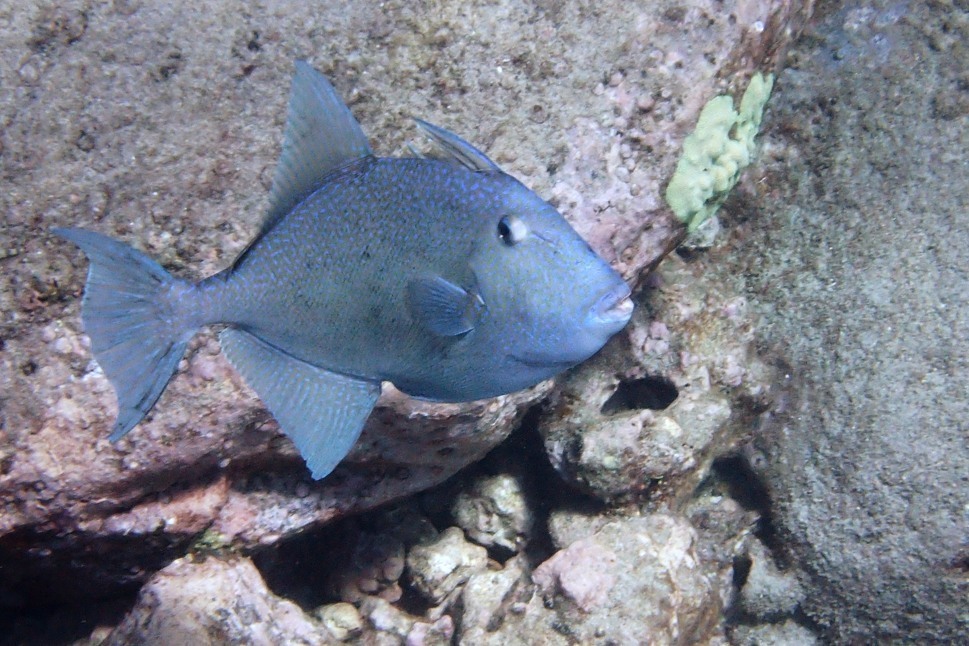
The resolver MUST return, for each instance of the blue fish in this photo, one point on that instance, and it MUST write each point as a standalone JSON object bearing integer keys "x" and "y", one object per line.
{"x": 441, "y": 274}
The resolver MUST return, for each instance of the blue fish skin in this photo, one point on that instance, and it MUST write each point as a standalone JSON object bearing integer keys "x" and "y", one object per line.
{"x": 340, "y": 263}
{"x": 444, "y": 276}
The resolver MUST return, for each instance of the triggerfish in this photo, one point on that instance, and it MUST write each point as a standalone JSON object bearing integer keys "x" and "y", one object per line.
{"x": 440, "y": 274}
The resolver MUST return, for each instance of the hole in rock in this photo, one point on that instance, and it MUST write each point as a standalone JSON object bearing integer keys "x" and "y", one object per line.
{"x": 654, "y": 393}
{"x": 741, "y": 570}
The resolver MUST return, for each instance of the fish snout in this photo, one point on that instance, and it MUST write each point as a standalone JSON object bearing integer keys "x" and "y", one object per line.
{"x": 613, "y": 309}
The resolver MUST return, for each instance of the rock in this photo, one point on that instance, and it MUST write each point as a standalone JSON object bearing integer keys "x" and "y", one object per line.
{"x": 374, "y": 568}
{"x": 787, "y": 633}
{"x": 215, "y": 601}
{"x": 488, "y": 597}
{"x": 648, "y": 416}
{"x": 401, "y": 627}
{"x": 769, "y": 594}
{"x": 584, "y": 572}
{"x": 631, "y": 578}
{"x": 856, "y": 257}
{"x": 437, "y": 568}
{"x": 593, "y": 123}
{"x": 494, "y": 513}
{"x": 342, "y": 620}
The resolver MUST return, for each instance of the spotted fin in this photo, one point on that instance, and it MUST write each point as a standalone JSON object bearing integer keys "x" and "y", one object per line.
{"x": 321, "y": 136}
{"x": 320, "y": 411}
{"x": 456, "y": 150}
{"x": 442, "y": 307}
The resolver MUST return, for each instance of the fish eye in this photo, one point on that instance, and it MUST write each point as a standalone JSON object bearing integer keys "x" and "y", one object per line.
{"x": 512, "y": 230}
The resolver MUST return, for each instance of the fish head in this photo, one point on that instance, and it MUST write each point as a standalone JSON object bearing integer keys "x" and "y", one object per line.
{"x": 552, "y": 300}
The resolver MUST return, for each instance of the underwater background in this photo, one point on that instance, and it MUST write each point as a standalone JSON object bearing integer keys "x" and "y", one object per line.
{"x": 774, "y": 450}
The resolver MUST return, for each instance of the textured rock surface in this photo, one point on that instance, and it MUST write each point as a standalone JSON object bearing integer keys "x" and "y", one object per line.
{"x": 769, "y": 594}
{"x": 160, "y": 124}
{"x": 643, "y": 415}
{"x": 629, "y": 581}
{"x": 438, "y": 567}
{"x": 214, "y": 602}
{"x": 495, "y": 512}
{"x": 861, "y": 280}
{"x": 787, "y": 633}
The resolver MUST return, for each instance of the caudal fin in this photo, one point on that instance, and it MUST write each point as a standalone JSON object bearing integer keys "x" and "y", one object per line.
{"x": 132, "y": 313}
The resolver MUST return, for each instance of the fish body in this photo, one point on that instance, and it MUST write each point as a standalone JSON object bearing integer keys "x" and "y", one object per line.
{"x": 442, "y": 275}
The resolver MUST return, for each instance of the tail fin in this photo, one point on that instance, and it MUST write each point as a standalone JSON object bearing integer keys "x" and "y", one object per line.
{"x": 137, "y": 327}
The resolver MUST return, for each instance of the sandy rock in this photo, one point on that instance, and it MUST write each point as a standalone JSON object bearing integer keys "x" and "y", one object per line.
{"x": 215, "y": 601}
{"x": 495, "y": 513}
{"x": 860, "y": 278}
{"x": 437, "y": 568}
{"x": 182, "y": 171}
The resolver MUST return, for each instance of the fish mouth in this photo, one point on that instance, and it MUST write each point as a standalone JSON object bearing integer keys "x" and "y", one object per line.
{"x": 615, "y": 307}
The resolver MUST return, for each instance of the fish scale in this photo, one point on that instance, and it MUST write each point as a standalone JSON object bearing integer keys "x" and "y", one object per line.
{"x": 442, "y": 274}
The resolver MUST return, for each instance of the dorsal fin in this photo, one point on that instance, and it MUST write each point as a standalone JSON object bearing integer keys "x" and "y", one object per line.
{"x": 321, "y": 137}
{"x": 456, "y": 150}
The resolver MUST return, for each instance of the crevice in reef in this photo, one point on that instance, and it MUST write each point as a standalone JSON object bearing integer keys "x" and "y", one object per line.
{"x": 651, "y": 392}
{"x": 744, "y": 485}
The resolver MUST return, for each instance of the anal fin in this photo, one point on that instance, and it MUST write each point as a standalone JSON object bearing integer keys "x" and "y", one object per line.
{"x": 322, "y": 412}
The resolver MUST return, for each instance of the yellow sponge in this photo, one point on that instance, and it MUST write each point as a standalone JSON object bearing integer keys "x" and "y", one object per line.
{"x": 716, "y": 152}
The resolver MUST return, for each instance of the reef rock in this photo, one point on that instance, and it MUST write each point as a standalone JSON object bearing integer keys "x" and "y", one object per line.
{"x": 214, "y": 602}
{"x": 631, "y": 581}
{"x": 860, "y": 278}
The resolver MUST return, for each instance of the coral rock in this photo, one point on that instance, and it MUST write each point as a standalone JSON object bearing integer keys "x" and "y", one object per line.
{"x": 214, "y": 602}
{"x": 437, "y": 568}
{"x": 495, "y": 513}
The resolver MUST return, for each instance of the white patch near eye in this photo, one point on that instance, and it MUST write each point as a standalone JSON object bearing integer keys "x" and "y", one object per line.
{"x": 512, "y": 230}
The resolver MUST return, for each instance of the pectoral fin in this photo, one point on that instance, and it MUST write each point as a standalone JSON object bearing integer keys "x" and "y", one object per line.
{"x": 442, "y": 307}
{"x": 322, "y": 412}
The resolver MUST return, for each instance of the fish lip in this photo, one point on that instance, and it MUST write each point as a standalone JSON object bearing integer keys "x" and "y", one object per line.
{"x": 614, "y": 307}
